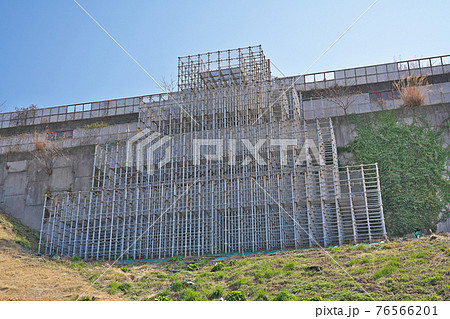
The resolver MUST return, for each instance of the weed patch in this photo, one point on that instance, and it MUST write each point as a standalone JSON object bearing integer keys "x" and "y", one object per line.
{"x": 191, "y": 295}
{"x": 218, "y": 266}
{"x": 290, "y": 265}
{"x": 235, "y": 296}
{"x": 387, "y": 270}
{"x": 284, "y": 295}
{"x": 217, "y": 293}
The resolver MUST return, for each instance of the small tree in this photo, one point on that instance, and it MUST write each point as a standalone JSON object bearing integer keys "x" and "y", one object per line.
{"x": 169, "y": 85}
{"x": 23, "y": 113}
{"x": 342, "y": 96}
{"x": 46, "y": 153}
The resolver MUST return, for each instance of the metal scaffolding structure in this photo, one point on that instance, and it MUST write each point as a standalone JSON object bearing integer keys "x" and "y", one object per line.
{"x": 226, "y": 164}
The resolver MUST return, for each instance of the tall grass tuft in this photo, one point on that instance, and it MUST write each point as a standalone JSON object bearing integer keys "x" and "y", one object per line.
{"x": 412, "y": 90}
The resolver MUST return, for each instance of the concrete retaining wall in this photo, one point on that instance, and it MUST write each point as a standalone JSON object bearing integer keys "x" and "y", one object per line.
{"x": 437, "y": 116}
{"x": 23, "y": 181}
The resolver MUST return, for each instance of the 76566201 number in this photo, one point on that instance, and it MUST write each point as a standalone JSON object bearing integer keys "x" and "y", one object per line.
{"x": 407, "y": 310}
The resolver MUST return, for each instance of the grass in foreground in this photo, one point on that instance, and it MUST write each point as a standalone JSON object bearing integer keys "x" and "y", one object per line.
{"x": 416, "y": 269}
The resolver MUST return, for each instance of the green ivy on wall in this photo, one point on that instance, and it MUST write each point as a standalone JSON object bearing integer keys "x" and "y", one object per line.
{"x": 412, "y": 165}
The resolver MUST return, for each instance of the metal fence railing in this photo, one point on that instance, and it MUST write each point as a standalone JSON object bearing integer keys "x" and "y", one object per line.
{"x": 370, "y": 74}
{"x": 81, "y": 111}
{"x": 352, "y": 76}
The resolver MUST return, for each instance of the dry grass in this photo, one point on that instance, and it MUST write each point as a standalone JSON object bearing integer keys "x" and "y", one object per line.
{"x": 39, "y": 145}
{"x": 25, "y": 276}
{"x": 413, "y": 269}
{"x": 412, "y": 90}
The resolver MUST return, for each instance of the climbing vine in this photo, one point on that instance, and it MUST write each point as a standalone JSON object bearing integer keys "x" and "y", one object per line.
{"x": 412, "y": 165}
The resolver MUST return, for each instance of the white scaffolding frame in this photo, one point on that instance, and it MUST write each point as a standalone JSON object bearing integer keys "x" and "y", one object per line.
{"x": 219, "y": 206}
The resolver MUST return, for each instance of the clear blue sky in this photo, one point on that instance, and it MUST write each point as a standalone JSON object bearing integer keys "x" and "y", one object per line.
{"x": 51, "y": 53}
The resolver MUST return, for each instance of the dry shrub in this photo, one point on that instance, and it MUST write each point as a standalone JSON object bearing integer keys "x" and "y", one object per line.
{"x": 46, "y": 153}
{"x": 412, "y": 90}
{"x": 38, "y": 145}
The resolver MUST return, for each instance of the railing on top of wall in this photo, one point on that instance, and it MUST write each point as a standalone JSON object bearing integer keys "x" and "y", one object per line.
{"x": 370, "y": 74}
{"x": 80, "y": 111}
{"x": 353, "y": 76}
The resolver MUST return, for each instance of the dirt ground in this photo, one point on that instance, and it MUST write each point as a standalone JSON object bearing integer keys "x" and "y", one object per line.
{"x": 24, "y": 276}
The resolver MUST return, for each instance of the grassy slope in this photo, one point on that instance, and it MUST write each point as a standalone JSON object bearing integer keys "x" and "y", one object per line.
{"x": 415, "y": 269}
{"x": 25, "y": 276}
{"x": 402, "y": 270}
{"x": 14, "y": 231}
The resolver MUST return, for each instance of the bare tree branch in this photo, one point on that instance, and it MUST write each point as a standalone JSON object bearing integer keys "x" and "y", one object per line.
{"x": 169, "y": 85}
{"x": 342, "y": 96}
{"x": 23, "y": 113}
{"x": 46, "y": 153}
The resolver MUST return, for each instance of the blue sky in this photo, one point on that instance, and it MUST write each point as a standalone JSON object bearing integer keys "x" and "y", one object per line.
{"x": 52, "y": 54}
